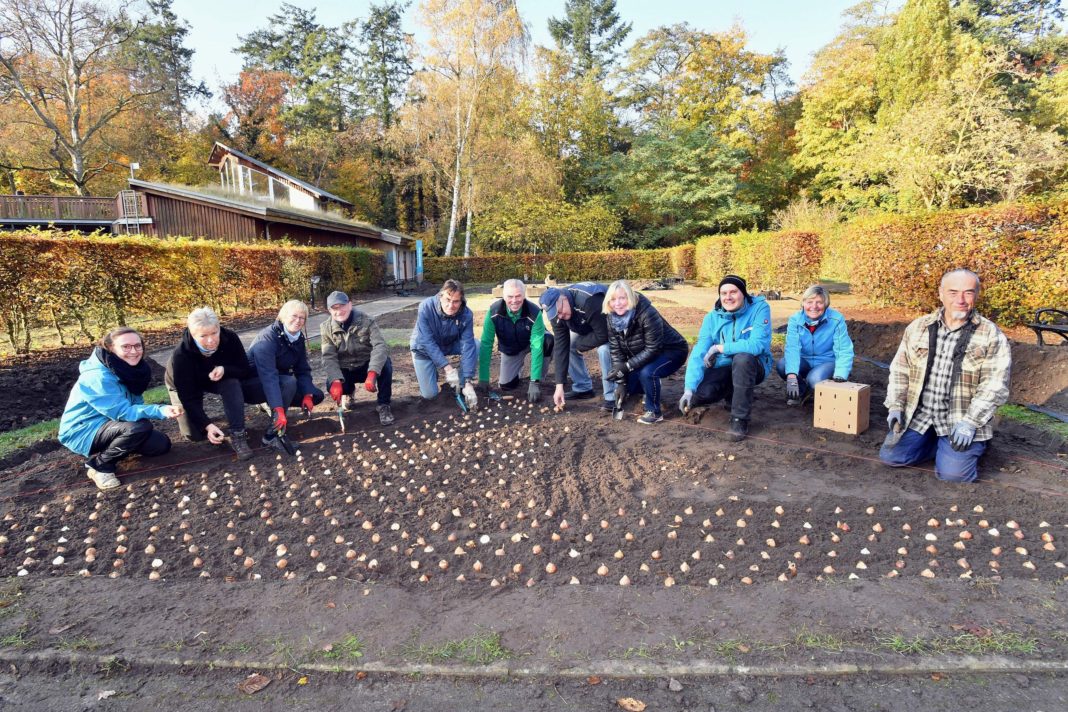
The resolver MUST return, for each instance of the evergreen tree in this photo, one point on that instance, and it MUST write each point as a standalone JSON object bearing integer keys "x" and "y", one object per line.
{"x": 590, "y": 33}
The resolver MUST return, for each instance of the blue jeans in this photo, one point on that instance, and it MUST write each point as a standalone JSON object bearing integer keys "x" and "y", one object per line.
{"x": 807, "y": 374}
{"x": 950, "y": 465}
{"x": 427, "y": 373}
{"x": 647, "y": 378}
{"x": 580, "y": 375}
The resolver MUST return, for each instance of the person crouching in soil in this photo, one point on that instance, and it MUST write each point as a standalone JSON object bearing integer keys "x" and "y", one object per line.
{"x": 355, "y": 352}
{"x": 948, "y": 378}
{"x": 818, "y": 346}
{"x": 279, "y": 356}
{"x": 106, "y": 418}
{"x": 732, "y": 354}
{"x": 445, "y": 327}
{"x": 515, "y": 323}
{"x": 211, "y": 359}
{"x": 644, "y": 347}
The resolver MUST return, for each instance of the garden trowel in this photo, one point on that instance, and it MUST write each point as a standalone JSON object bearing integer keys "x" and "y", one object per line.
{"x": 618, "y": 410}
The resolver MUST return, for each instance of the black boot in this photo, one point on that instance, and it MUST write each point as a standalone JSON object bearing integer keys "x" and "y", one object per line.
{"x": 737, "y": 430}
{"x": 279, "y": 442}
{"x": 239, "y": 442}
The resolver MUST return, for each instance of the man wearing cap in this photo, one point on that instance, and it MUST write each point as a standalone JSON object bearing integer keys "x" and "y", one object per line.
{"x": 732, "y": 354}
{"x": 579, "y": 325}
{"x": 515, "y": 323}
{"x": 355, "y": 352}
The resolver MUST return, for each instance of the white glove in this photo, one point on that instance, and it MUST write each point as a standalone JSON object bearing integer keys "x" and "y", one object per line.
{"x": 710, "y": 356}
{"x": 452, "y": 376}
{"x": 470, "y": 396}
{"x": 684, "y": 402}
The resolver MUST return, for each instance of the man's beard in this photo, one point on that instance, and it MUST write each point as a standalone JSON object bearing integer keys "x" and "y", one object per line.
{"x": 961, "y": 315}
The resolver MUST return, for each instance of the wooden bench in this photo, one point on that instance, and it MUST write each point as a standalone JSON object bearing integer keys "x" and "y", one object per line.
{"x": 1052, "y": 320}
{"x": 399, "y": 286}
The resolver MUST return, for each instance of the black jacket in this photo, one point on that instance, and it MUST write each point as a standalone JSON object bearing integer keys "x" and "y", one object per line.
{"x": 647, "y": 336}
{"x": 586, "y": 320}
{"x": 188, "y": 369}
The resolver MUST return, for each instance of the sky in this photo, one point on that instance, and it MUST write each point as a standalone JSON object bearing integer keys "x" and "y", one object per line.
{"x": 799, "y": 27}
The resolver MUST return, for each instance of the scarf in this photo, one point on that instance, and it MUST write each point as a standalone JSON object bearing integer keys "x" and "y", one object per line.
{"x": 134, "y": 378}
{"x": 620, "y": 323}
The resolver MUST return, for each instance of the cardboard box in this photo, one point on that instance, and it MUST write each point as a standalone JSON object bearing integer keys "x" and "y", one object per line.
{"x": 842, "y": 407}
{"x": 533, "y": 291}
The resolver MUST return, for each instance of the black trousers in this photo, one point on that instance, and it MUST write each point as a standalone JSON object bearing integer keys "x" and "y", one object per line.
{"x": 118, "y": 439}
{"x": 734, "y": 383}
{"x": 232, "y": 393}
{"x": 287, "y": 383}
{"x": 353, "y": 378}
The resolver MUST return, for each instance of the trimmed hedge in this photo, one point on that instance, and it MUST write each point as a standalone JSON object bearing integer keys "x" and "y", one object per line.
{"x": 564, "y": 266}
{"x": 1019, "y": 250}
{"x": 68, "y": 278}
{"x": 787, "y": 260}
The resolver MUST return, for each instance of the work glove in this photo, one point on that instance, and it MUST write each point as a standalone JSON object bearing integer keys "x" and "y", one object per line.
{"x": 280, "y": 421}
{"x": 793, "y": 389}
{"x": 839, "y": 379}
{"x": 961, "y": 437}
{"x": 307, "y": 404}
{"x": 533, "y": 392}
{"x": 336, "y": 391}
{"x": 452, "y": 376}
{"x": 710, "y": 357}
{"x": 371, "y": 384}
{"x": 685, "y": 401}
{"x": 895, "y": 420}
{"x": 470, "y": 397}
{"x": 618, "y": 374}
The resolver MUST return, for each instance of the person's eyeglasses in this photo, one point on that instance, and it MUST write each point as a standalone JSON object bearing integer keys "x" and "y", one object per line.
{"x": 132, "y": 348}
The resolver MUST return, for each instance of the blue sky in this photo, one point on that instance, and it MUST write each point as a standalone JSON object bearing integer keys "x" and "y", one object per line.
{"x": 799, "y": 27}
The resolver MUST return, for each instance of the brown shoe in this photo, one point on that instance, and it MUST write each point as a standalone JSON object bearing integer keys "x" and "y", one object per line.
{"x": 239, "y": 442}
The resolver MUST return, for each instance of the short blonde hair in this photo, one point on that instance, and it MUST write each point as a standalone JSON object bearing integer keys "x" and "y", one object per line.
{"x": 632, "y": 298}
{"x": 292, "y": 306}
{"x": 204, "y": 317}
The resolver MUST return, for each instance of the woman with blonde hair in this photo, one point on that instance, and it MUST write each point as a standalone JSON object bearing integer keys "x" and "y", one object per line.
{"x": 818, "y": 346}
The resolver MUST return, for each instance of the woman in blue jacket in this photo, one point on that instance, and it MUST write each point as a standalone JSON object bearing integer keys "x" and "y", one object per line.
{"x": 818, "y": 346}
{"x": 106, "y": 418}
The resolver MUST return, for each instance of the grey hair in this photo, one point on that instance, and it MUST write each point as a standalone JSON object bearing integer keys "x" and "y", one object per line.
{"x": 293, "y": 305}
{"x": 961, "y": 270}
{"x": 515, "y": 284}
{"x": 632, "y": 299}
{"x": 817, "y": 290}
{"x": 201, "y": 318}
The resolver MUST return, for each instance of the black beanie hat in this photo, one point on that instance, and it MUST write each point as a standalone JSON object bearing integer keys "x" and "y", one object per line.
{"x": 737, "y": 282}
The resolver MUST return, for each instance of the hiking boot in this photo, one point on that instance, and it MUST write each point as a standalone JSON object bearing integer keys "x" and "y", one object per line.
{"x": 511, "y": 385}
{"x": 385, "y": 415}
{"x": 104, "y": 481}
{"x": 239, "y": 442}
{"x": 737, "y": 430}
{"x": 607, "y": 406}
{"x": 579, "y": 395}
{"x": 279, "y": 442}
{"x": 650, "y": 418}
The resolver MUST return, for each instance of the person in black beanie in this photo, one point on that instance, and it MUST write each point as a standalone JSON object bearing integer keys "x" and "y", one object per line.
{"x": 106, "y": 418}
{"x": 732, "y": 354}
{"x": 210, "y": 359}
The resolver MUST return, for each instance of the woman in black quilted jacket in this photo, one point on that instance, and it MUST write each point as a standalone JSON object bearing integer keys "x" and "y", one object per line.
{"x": 645, "y": 348}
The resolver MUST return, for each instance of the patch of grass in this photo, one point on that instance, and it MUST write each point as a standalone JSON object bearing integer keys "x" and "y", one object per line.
{"x": 479, "y": 649}
{"x": 1003, "y": 642}
{"x": 731, "y": 649}
{"x": 113, "y": 666}
{"x": 17, "y": 639}
{"x": 351, "y": 648}
{"x": 808, "y": 640}
{"x": 10, "y": 593}
{"x": 643, "y": 651}
{"x": 157, "y": 395}
{"x": 778, "y": 340}
{"x": 79, "y": 643}
{"x": 14, "y": 440}
{"x": 1039, "y": 421}
{"x": 225, "y": 648}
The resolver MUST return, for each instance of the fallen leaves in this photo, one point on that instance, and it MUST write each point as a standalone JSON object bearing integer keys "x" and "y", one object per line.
{"x": 253, "y": 683}
{"x": 630, "y": 704}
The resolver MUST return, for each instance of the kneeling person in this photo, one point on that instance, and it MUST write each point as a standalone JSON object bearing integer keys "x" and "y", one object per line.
{"x": 515, "y": 323}
{"x": 106, "y": 418}
{"x": 355, "y": 352}
{"x": 209, "y": 359}
{"x": 445, "y": 327}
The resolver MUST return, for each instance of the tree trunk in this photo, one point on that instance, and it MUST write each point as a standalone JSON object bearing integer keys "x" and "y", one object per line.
{"x": 57, "y": 327}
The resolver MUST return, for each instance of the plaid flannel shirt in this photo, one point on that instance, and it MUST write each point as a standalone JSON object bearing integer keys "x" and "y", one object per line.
{"x": 982, "y": 387}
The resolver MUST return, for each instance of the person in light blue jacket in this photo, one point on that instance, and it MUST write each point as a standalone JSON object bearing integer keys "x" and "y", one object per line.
{"x": 732, "y": 355}
{"x": 445, "y": 327}
{"x": 818, "y": 346}
{"x": 106, "y": 418}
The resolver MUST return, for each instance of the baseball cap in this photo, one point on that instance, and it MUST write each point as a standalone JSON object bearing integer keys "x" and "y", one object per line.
{"x": 548, "y": 301}
{"x": 336, "y": 298}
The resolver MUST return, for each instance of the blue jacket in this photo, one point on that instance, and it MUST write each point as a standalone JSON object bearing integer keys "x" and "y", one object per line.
{"x": 436, "y": 335}
{"x": 272, "y": 354}
{"x": 96, "y": 399}
{"x": 829, "y": 342}
{"x": 746, "y": 331}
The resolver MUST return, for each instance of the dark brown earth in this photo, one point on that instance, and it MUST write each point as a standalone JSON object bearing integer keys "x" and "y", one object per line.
{"x": 426, "y": 533}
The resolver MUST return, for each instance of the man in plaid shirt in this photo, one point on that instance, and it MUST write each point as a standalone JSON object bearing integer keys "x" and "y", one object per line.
{"x": 941, "y": 402}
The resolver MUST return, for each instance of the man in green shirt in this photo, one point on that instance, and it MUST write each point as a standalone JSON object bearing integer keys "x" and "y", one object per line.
{"x": 515, "y": 323}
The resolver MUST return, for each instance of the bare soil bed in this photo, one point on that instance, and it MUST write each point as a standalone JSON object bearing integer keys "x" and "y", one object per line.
{"x": 575, "y": 536}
